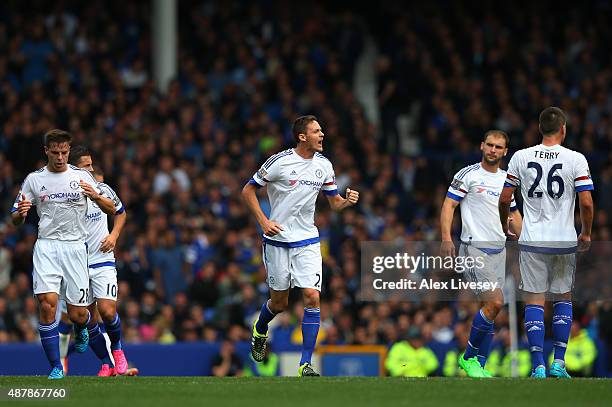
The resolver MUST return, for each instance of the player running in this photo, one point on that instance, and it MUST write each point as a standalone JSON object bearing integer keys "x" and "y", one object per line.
{"x": 61, "y": 194}
{"x": 477, "y": 188}
{"x": 291, "y": 249}
{"x": 549, "y": 176}
{"x": 102, "y": 275}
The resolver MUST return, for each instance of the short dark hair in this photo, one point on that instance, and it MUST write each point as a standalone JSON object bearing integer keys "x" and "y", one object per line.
{"x": 551, "y": 120}
{"x": 299, "y": 126}
{"x": 76, "y": 153}
{"x": 57, "y": 136}
{"x": 499, "y": 133}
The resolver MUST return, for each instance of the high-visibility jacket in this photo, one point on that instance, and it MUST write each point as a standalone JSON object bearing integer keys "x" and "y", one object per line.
{"x": 267, "y": 368}
{"x": 404, "y": 360}
{"x": 580, "y": 354}
{"x": 500, "y": 365}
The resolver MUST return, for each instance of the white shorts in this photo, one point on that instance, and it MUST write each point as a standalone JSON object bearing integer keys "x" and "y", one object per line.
{"x": 493, "y": 268}
{"x": 102, "y": 284}
{"x": 288, "y": 267}
{"x": 61, "y": 267}
{"x": 541, "y": 273}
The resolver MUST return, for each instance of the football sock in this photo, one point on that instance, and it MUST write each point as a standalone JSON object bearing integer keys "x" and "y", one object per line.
{"x": 98, "y": 343}
{"x": 481, "y": 327}
{"x": 64, "y": 328}
{"x": 561, "y": 326}
{"x": 485, "y": 347}
{"x": 265, "y": 316}
{"x": 113, "y": 329}
{"x": 310, "y": 330}
{"x": 534, "y": 327}
{"x": 49, "y": 338}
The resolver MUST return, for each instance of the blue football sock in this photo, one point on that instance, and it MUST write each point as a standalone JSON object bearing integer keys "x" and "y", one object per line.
{"x": 310, "y": 330}
{"x": 98, "y": 343}
{"x": 64, "y": 328}
{"x": 485, "y": 347}
{"x": 265, "y": 316}
{"x": 113, "y": 329}
{"x": 561, "y": 327}
{"x": 49, "y": 338}
{"x": 534, "y": 327}
{"x": 481, "y": 326}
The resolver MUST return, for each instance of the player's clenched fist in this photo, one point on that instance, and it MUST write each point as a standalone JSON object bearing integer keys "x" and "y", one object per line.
{"x": 271, "y": 228}
{"x": 23, "y": 206}
{"x": 352, "y": 196}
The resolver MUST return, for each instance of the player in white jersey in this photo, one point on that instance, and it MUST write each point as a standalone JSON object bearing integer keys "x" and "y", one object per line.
{"x": 476, "y": 188}
{"x": 102, "y": 275}
{"x": 291, "y": 251}
{"x": 60, "y": 193}
{"x": 549, "y": 176}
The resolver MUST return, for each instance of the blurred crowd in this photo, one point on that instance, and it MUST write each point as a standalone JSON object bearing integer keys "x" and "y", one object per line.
{"x": 189, "y": 259}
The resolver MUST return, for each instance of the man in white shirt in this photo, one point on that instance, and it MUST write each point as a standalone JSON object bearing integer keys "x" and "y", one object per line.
{"x": 103, "y": 287}
{"x": 549, "y": 176}
{"x": 476, "y": 188}
{"x": 60, "y": 193}
{"x": 291, "y": 250}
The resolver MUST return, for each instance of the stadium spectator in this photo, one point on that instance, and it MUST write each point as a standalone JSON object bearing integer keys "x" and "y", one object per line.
{"x": 227, "y": 362}
{"x": 410, "y": 358}
{"x": 269, "y": 367}
{"x": 581, "y": 351}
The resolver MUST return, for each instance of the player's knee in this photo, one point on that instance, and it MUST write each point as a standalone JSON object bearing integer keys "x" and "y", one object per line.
{"x": 107, "y": 313}
{"x": 78, "y": 315}
{"x": 47, "y": 310}
{"x": 311, "y": 298}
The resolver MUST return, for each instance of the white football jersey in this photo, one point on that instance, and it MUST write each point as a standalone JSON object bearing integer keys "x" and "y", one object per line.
{"x": 549, "y": 178}
{"x": 478, "y": 192}
{"x": 59, "y": 201}
{"x": 97, "y": 228}
{"x": 293, "y": 185}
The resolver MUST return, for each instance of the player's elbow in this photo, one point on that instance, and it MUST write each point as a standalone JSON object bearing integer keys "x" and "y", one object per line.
{"x": 335, "y": 203}
{"x": 585, "y": 200}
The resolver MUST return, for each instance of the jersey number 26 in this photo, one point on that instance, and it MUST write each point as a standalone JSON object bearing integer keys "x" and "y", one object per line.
{"x": 551, "y": 179}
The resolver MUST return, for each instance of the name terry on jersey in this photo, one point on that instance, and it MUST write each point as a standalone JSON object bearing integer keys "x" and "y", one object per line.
{"x": 547, "y": 155}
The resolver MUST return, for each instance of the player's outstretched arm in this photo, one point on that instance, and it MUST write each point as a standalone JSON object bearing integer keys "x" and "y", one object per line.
{"x": 447, "y": 212}
{"x": 108, "y": 244}
{"x": 338, "y": 203}
{"x": 504, "y": 206}
{"x": 269, "y": 227}
{"x": 585, "y": 200}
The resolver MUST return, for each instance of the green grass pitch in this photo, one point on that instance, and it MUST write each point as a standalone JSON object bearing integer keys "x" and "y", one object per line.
{"x": 324, "y": 391}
